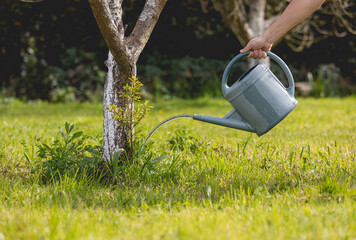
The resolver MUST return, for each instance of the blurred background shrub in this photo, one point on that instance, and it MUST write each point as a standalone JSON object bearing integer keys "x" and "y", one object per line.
{"x": 78, "y": 77}
{"x": 184, "y": 77}
{"x": 53, "y": 51}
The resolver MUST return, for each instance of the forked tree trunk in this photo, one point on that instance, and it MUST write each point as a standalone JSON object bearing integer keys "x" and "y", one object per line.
{"x": 115, "y": 136}
{"x": 122, "y": 59}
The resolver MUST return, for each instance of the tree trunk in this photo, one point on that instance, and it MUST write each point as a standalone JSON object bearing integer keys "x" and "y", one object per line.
{"x": 115, "y": 136}
{"x": 245, "y": 25}
{"x": 123, "y": 55}
{"x": 235, "y": 17}
{"x": 256, "y": 22}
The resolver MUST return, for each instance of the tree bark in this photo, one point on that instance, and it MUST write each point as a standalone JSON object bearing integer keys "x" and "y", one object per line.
{"x": 245, "y": 25}
{"x": 115, "y": 136}
{"x": 122, "y": 59}
{"x": 108, "y": 14}
{"x": 235, "y": 17}
{"x": 256, "y": 21}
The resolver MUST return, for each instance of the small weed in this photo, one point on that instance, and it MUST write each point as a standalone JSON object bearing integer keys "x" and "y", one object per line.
{"x": 185, "y": 139}
{"x": 131, "y": 115}
{"x": 68, "y": 155}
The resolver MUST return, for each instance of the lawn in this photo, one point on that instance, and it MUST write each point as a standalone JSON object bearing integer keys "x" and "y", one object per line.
{"x": 296, "y": 182}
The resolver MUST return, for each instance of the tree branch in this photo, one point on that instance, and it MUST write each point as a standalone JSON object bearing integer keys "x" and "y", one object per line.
{"x": 234, "y": 16}
{"x": 144, "y": 26}
{"x": 113, "y": 34}
{"x": 115, "y": 7}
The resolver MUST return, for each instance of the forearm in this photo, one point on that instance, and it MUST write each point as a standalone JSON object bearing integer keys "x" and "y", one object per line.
{"x": 295, "y": 13}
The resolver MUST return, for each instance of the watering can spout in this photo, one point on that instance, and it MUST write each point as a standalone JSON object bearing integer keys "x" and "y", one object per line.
{"x": 232, "y": 120}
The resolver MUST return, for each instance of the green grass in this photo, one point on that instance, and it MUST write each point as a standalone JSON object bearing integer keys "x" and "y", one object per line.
{"x": 296, "y": 182}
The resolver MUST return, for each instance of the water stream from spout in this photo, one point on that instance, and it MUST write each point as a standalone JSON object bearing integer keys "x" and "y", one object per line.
{"x": 166, "y": 121}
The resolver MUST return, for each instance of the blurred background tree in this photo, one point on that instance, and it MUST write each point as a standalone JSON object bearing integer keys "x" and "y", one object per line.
{"x": 249, "y": 18}
{"x": 53, "y": 50}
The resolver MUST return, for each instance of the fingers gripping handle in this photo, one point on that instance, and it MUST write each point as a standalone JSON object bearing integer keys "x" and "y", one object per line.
{"x": 273, "y": 56}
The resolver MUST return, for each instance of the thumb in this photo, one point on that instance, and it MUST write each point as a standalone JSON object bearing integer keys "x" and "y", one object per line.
{"x": 246, "y": 48}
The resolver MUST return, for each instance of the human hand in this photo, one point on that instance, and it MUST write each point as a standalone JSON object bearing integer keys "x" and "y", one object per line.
{"x": 258, "y": 45}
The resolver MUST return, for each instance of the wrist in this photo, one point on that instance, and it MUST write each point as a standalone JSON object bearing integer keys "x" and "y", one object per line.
{"x": 268, "y": 38}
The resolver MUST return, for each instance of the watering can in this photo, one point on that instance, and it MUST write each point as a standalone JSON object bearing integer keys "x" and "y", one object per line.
{"x": 259, "y": 99}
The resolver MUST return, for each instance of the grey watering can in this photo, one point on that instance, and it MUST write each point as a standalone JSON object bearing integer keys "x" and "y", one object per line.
{"x": 259, "y": 99}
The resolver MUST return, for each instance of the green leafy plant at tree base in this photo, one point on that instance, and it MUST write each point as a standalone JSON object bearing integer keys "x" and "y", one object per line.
{"x": 68, "y": 155}
{"x": 133, "y": 112}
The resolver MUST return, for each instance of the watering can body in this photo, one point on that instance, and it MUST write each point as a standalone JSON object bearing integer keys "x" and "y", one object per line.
{"x": 259, "y": 99}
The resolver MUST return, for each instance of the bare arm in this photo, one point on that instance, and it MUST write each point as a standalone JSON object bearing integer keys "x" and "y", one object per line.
{"x": 295, "y": 13}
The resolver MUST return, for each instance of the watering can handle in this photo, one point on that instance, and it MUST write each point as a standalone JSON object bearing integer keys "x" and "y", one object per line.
{"x": 281, "y": 63}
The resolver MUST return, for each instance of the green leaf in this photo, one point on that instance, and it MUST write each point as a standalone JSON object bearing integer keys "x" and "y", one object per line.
{"x": 50, "y": 150}
{"x": 115, "y": 161}
{"x": 71, "y": 128}
{"x": 77, "y": 134}
{"x": 62, "y": 132}
{"x": 157, "y": 160}
{"x": 66, "y": 126}
{"x": 117, "y": 154}
{"x": 27, "y": 158}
